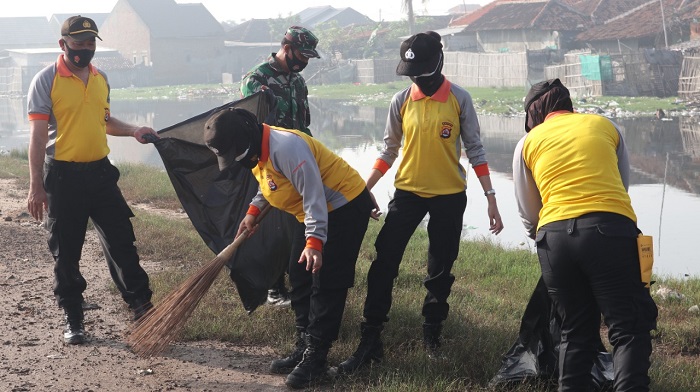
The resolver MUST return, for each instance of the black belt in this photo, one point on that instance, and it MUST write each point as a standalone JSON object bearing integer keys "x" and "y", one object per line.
{"x": 76, "y": 166}
{"x": 585, "y": 221}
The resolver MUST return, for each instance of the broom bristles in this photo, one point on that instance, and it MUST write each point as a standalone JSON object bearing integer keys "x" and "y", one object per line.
{"x": 162, "y": 324}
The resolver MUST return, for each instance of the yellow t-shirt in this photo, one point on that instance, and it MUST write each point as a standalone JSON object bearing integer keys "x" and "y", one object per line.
{"x": 77, "y": 113}
{"x": 570, "y": 156}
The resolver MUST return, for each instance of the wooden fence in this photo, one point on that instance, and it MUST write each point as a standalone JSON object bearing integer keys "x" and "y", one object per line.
{"x": 653, "y": 73}
{"x": 11, "y": 81}
{"x": 690, "y": 134}
{"x": 463, "y": 68}
{"x": 486, "y": 69}
{"x": 689, "y": 80}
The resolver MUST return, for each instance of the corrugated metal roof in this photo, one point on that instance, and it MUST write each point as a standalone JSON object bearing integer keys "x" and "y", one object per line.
{"x": 312, "y": 16}
{"x": 165, "y": 18}
{"x": 254, "y": 30}
{"x": 523, "y": 14}
{"x": 468, "y": 18}
{"x": 586, "y": 7}
{"x": 689, "y": 10}
{"x": 450, "y": 30}
{"x": 608, "y": 9}
{"x": 642, "y": 21}
{"x": 27, "y": 31}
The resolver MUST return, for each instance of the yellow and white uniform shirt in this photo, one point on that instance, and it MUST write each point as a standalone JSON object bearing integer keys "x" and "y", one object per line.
{"x": 77, "y": 113}
{"x": 554, "y": 181}
{"x": 433, "y": 130}
{"x": 301, "y": 176}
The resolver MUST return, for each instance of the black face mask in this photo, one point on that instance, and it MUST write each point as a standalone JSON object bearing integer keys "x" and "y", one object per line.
{"x": 294, "y": 64}
{"x": 429, "y": 85}
{"x": 249, "y": 157}
{"x": 80, "y": 57}
{"x": 430, "y": 82}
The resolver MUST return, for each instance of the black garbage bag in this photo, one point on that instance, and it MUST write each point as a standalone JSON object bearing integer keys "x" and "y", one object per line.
{"x": 534, "y": 355}
{"x": 216, "y": 201}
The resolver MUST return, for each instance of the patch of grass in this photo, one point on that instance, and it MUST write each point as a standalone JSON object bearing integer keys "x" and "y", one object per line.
{"x": 180, "y": 92}
{"x": 488, "y": 298}
{"x": 15, "y": 164}
{"x": 147, "y": 184}
{"x": 492, "y": 288}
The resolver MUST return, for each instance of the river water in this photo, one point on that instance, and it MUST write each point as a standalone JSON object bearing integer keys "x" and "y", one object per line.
{"x": 665, "y": 158}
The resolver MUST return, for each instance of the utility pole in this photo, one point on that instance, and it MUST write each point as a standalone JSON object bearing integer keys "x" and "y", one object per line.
{"x": 663, "y": 22}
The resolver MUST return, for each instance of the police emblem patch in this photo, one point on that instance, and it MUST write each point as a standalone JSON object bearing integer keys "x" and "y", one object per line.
{"x": 446, "y": 130}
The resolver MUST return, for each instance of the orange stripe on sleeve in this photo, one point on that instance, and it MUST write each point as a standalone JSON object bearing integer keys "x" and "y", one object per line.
{"x": 38, "y": 116}
{"x": 253, "y": 210}
{"x": 382, "y": 166}
{"x": 481, "y": 170}
{"x": 314, "y": 243}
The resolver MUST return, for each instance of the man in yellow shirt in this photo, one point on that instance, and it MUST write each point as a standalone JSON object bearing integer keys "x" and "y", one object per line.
{"x": 72, "y": 179}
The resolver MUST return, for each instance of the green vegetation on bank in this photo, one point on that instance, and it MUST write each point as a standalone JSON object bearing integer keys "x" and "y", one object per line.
{"x": 488, "y": 298}
{"x": 486, "y": 100}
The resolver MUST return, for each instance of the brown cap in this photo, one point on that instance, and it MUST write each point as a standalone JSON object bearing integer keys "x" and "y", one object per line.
{"x": 79, "y": 28}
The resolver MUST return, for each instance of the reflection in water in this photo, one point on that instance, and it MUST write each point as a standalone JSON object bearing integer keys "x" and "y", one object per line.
{"x": 661, "y": 153}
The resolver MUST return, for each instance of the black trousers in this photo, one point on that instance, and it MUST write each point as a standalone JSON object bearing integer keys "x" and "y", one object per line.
{"x": 406, "y": 211}
{"x": 77, "y": 192}
{"x": 590, "y": 265}
{"x": 318, "y": 299}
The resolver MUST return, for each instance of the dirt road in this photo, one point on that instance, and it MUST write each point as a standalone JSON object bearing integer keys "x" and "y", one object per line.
{"x": 34, "y": 358}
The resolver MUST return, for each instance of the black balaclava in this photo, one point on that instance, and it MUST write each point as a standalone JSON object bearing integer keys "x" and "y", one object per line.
{"x": 544, "y": 98}
{"x": 248, "y": 139}
{"x": 430, "y": 81}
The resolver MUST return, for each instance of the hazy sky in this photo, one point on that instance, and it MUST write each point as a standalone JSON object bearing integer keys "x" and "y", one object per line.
{"x": 239, "y": 10}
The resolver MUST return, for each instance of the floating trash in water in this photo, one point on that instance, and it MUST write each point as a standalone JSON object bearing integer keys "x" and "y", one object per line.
{"x": 666, "y": 293}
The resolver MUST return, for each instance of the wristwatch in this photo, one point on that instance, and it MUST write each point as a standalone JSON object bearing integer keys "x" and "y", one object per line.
{"x": 490, "y": 192}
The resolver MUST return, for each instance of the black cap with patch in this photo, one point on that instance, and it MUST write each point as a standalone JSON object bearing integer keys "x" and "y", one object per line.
{"x": 420, "y": 54}
{"x": 79, "y": 28}
{"x": 229, "y": 133}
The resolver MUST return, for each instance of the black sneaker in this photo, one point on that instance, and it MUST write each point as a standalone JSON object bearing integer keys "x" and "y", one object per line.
{"x": 140, "y": 308}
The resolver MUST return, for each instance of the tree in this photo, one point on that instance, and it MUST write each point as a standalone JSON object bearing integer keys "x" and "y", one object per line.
{"x": 408, "y": 6}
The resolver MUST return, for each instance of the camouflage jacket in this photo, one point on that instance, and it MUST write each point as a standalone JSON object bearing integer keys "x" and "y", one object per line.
{"x": 289, "y": 89}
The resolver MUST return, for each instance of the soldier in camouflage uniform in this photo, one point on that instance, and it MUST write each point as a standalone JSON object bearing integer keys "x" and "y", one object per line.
{"x": 280, "y": 73}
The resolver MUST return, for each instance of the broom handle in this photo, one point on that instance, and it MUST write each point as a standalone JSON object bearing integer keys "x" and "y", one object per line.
{"x": 227, "y": 253}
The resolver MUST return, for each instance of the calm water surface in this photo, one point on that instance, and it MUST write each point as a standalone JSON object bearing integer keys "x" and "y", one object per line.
{"x": 665, "y": 158}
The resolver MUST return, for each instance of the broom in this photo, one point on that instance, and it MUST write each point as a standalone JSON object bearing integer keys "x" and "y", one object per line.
{"x": 162, "y": 324}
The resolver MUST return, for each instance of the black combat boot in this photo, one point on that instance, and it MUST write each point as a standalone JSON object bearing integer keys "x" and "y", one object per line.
{"x": 74, "y": 332}
{"x": 140, "y": 307}
{"x": 370, "y": 349}
{"x": 288, "y": 363}
{"x": 313, "y": 365}
{"x": 431, "y": 339}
